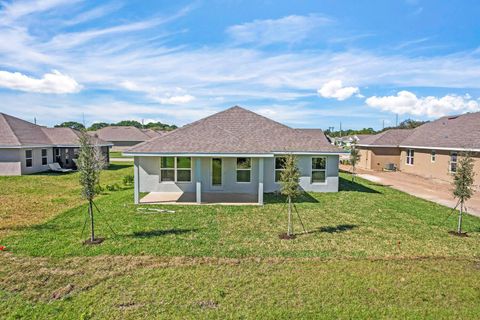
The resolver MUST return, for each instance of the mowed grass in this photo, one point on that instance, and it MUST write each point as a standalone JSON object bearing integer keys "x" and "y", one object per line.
{"x": 32, "y": 199}
{"x": 116, "y": 154}
{"x": 370, "y": 252}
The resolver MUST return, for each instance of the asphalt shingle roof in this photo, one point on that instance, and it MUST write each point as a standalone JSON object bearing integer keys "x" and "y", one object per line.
{"x": 125, "y": 133}
{"x": 15, "y": 132}
{"x": 237, "y": 130}
{"x": 392, "y": 137}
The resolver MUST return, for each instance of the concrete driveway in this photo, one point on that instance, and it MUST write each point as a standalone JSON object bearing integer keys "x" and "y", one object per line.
{"x": 433, "y": 190}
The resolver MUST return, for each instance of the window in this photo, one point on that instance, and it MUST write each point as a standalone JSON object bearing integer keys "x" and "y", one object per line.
{"x": 410, "y": 155}
{"x": 216, "y": 172}
{"x": 453, "y": 162}
{"x": 319, "y": 168}
{"x": 279, "y": 167}
{"x": 57, "y": 155}
{"x": 434, "y": 156}
{"x": 28, "y": 158}
{"x": 184, "y": 169}
{"x": 244, "y": 168}
{"x": 67, "y": 156}
{"x": 44, "y": 157}
{"x": 178, "y": 169}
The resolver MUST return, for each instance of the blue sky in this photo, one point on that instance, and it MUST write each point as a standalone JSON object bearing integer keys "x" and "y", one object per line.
{"x": 304, "y": 63}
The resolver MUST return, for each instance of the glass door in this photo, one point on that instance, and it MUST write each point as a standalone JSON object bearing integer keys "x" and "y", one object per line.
{"x": 217, "y": 172}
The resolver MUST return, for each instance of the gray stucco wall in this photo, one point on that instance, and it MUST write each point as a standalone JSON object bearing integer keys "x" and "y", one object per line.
{"x": 149, "y": 171}
{"x": 37, "y": 160}
{"x": 10, "y": 162}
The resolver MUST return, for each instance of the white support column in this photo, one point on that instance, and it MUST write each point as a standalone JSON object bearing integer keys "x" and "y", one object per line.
{"x": 198, "y": 177}
{"x": 260, "y": 180}
{"x": 136, "y": 184}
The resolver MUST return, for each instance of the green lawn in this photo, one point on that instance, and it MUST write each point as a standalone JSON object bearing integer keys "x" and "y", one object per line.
{"x": 116, "y": 154}
{"x": 371, "y": 252}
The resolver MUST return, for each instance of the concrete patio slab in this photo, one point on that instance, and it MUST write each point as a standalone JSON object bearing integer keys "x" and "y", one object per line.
{"x": 207, "y": 198}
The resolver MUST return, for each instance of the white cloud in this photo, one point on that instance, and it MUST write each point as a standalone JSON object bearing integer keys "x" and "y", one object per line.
{"x": 54, "y": 82}
{"x": 183, "y": 99}
{"x": 289, "y": 29}
{"x": 335, "y": 89}
{"x": 406, "y": 102}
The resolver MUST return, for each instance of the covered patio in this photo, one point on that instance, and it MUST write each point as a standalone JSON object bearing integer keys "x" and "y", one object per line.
{"x": 206, "y": 198}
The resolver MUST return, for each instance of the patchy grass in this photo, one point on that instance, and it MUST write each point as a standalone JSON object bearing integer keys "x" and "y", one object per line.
{"x": 32, "y": 199}
{"x": 370, "y": 252}
{"x": 363, "y": 220}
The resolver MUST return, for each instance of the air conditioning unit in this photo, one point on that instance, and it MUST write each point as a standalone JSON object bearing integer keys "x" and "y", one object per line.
{"x": 390, "y": 167}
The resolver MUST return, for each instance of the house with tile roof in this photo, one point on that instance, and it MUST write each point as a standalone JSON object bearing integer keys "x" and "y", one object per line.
{"x": 430, "y": 150}
{"x": 124, "y": 137}
{"x": 29, "y": 148}
{"x": 235, "y": 154}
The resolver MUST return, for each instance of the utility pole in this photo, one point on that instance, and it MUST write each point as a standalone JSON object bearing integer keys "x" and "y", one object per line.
{"x": 83, "y": 119}
{"x": 383, "y": 124}
{"x": 35, "y": 120}
{"x": 341, "y": 129}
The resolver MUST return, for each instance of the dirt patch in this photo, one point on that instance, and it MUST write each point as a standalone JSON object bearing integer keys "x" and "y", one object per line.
{"x": 92, "y": 242}
{"x": 284, "y": 236}
{"x": 461, "y": 234}
{"x": 62, "y": 292}
{"x": 208, "y": 304}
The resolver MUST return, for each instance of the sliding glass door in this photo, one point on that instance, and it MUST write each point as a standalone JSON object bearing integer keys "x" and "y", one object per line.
{"x": 217, "y": 172}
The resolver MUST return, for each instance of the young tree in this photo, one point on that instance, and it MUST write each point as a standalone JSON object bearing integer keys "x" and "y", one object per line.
{"x": 90, "y": 163}
{"x": 354, "y": 159}
{"x": 290, "y": 185}
{"x": 71, "y": 124}
{"x": 463, "y": 184}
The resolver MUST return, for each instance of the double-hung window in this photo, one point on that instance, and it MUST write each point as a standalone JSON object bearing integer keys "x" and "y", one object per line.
{"x": 176, "y": 169}
{"x": 433, "y": 156}
{"x": 410, "y": 156}
{"x": 319, "y": 169}
{"x": 244, "y": 169}
{"x": 28, "y": 158}
{"x": 279, "y": 167}
{"x": 453, "y": 162}
{"x": 44, "y": 157}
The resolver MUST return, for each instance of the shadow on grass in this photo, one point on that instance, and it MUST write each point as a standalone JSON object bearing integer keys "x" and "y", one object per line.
{"x": 349, "y": 185}
{"x": 159, "y": 233}
{"x": 118, "y": 166}
{"x": 332, "y": 229}
{"x": 52, "y": 173}
{"x": 270, "y": 198}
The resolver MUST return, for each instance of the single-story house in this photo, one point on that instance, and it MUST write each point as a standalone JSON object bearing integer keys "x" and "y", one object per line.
{"x": 235, "y": 153}
{"x": 347, "y": 141}
{"x": 29, "y": 148}
{"x": 124, "y": 137}
{"x": 381, "y": 151}
{"x": 430, "y": 150}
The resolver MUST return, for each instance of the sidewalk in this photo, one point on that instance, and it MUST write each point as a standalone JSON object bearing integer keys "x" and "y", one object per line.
{"x": 432, "y": 190}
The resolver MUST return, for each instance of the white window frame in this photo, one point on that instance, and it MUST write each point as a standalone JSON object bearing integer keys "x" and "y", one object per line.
{"x": 433, "y": 156}
{"x": 451, "y": 162}
{"x": 318, "y": 170}
{"x": 28, "y": 158}
{"x": 44, "y": 157}
{"x": 410, "y": 160}
{"x": 240, "y": 169}
{"x": 175, "y": 170}
{"x": 275, "y": 169}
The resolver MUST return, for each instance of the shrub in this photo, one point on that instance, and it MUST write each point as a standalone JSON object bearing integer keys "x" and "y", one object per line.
{"x": 128, "y": 179}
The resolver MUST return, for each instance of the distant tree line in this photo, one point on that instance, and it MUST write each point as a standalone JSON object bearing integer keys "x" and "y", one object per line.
{"x": 406, "y": 124}
{"x": 100, "y": 125}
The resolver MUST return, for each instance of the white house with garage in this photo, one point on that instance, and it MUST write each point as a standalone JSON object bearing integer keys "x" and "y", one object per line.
{"x": 234, "y": 156}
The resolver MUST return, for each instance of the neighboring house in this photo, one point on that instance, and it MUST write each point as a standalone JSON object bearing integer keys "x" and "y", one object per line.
{"x": 235, "y": 151}
{"x": 28, "y": 148}
{"x": 430, "y": 150}
{"x": 347, "y": 141}
{"x": 382, "y": 151}
{"x": 124, "y": 137}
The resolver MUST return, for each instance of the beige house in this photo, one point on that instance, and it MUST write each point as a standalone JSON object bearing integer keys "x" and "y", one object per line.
{"x": 28, "y": 148}
{"x": 431, "y": 150}
{"x": 124, "y": 137}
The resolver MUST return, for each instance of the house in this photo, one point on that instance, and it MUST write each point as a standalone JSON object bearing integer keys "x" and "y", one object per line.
{"x": 236, "y": 154}
{"x": 382, "y": 151}
{"x": 124, "y": 137}
{"x": 430, "y": 150}
{"x": 28, "y": 148}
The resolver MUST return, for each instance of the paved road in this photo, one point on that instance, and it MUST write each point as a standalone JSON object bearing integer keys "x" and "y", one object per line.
{"x": 433, "y": 190}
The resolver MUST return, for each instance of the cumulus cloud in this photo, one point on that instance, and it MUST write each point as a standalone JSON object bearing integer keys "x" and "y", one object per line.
{"x": 406, "y": 102}
{"x": 54, "y": 82}
{"x": 289, "y": 29}
{"x": 335, "y": 89}
{"x": 182, "y": 99}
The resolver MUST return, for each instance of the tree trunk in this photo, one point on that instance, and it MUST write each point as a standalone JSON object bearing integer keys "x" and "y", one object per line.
{"x": 460, "y": 219}
{"x": 90, "y": 212}
{"x": 289, "y": 231}
{"x": 353, "y": 173}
